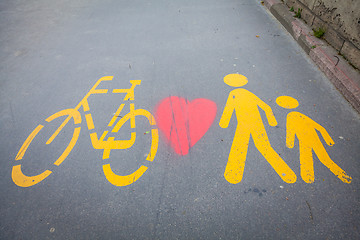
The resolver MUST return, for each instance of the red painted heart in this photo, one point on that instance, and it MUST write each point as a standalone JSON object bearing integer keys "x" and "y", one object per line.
{"x": 184, "y": 123}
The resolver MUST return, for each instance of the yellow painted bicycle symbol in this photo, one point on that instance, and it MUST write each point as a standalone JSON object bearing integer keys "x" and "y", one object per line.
{"x": 22, "y": 180}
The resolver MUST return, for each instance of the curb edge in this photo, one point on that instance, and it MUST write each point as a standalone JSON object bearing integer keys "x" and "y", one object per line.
{"x": 315, "y": 48}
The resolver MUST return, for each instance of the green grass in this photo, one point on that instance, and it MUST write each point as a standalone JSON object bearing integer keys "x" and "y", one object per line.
{"x": 298, "y": 13}
{"x": 319, "y": 32}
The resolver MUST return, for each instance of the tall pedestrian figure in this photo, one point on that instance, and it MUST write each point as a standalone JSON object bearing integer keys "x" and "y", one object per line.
{"x": 246, "y": 106}
{"x": 305, "y": 129}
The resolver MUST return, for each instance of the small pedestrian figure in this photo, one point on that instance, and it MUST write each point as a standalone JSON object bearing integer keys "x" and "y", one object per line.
{"x": 305, "y": 130}
{"x": 249, "y": 124}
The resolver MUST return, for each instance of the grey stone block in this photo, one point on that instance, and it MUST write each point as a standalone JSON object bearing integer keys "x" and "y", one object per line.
{"x": 306, "y": 14}
{"x": 308, "y": 3}
{"x": 290, "y": 3}
{"x": 352, "y": 53}
{"x": 343, "y": 16}
{"x": 304, "y": 44}
{"x": 331, "y": 36}
{"x": 282, "y": 14}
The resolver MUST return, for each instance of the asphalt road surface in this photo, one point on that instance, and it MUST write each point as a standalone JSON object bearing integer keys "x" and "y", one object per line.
{"x": 168, "y": 162}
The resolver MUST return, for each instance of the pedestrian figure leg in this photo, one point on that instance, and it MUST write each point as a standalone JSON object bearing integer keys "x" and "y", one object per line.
{"x": 306, "y": 164}
{"x": 331, "y": 165}
{"x": 263, "y": 145}
{"x": 236, "y": 163}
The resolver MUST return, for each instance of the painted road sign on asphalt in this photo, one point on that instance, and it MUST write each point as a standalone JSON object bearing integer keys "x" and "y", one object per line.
{"x": 169, "y": 120}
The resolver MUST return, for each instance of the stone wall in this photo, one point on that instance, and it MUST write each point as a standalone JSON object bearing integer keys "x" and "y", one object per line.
{"x": 339, "y": 18}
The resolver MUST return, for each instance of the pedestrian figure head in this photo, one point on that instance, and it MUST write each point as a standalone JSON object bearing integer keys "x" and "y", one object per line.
{"x": 287, "y": 102}
{"x": 235, "y": 80}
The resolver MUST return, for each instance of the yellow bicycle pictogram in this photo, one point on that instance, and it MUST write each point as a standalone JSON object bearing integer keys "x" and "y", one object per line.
{"x": 107, "y": 145}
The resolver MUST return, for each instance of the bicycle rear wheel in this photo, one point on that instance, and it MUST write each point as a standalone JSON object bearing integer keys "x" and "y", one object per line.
{"x": 23, "y": 180}
{"x": 124, "y": 180}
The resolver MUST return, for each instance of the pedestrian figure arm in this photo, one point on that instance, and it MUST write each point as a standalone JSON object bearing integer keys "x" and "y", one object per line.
{"x": 228, "y": 111}
{"x": 329, "y": 141}
{"x": 269, "y": 113}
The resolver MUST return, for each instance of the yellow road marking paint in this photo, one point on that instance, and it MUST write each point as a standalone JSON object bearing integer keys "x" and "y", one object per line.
{"x": 116, "y": 115}
{"x": 305, "y": 130}
{"x": 246, "y": 106}
{"x": 25, "y": 181}
{"x": 287, "y": 102}
{"x": 111, "y": 143}
{"x": 58, "y": 130}
{"x": 154, "y": 145}
{"x": 249, "y": 123}
{"x": 99, "y": 91}
{"x": 83, "y": 103}
{"x": 89, "y": 121}
{"x": 73, "y": 113}
{"x": 132, "y": 115}
{"x": 129, "y": 92}
{"x": 119, "y": 180}
{"x": 27, "y": 142}
{"x": 103, "y": 135}
{"x": 107, "y": 145}
{"x": 69, "y": 147}
{"x": 235, "y": 80}
{"x": 93, "y": 90}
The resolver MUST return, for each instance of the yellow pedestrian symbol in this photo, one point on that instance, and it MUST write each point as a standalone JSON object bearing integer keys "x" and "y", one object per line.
{"x": 305, "y": 129}
{"x": 249, "y": 123}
